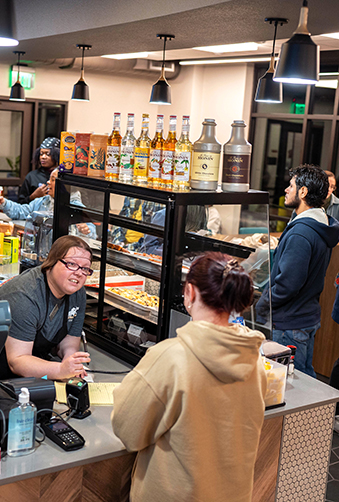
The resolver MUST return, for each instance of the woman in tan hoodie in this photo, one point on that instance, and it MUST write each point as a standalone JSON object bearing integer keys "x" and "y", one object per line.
{"x": 193, "y": 407}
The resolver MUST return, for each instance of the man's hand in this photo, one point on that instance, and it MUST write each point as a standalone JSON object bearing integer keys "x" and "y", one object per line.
{"x": 83, "y": 228}
{"x": 2, "y": 200}
{"x": 72, "y": 365}
{"x": 39, "y": 192}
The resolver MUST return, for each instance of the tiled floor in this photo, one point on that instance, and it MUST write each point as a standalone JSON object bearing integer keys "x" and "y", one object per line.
{"x": 332, "y": 494}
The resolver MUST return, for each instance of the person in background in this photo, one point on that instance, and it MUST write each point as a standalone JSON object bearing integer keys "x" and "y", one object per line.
{"x": 18, "y": 211}
{"x": 300, "y": 262}
{"x": 331, "y": 204}
{"x": 185, "y": 407}
{"x": 48, "y": 309}
{"x": 45, "y": 159}
{"x": 135, "y": 209}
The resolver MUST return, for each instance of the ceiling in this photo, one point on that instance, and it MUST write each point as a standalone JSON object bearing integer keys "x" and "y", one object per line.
{"x": 50, "y": 30}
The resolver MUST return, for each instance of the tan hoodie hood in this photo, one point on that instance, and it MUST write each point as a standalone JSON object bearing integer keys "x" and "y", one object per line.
{"x": 230, "y": 353}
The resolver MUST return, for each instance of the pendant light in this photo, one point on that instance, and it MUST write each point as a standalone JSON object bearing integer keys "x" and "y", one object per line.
{"x": 17, "y": 91}
{"x": 299, "y": 58}
{"x": 161, "y": 90}
{"x": 81, "y": 89}
{"x": 7, "y": 38}
{"x": 269, "y": 91}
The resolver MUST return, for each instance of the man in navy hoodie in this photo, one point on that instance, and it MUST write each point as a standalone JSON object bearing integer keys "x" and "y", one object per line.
{"x": 299, "y": 264}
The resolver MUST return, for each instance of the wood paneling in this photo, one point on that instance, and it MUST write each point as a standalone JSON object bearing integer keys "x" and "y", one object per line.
{"x": 106, "y": 481}
{"x": 326, "y": 344}
{"x": 267, "y": 463}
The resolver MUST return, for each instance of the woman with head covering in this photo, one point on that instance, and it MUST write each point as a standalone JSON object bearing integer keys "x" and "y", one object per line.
{"x": 45, "y": 159}
{"x": 193, "y": 407}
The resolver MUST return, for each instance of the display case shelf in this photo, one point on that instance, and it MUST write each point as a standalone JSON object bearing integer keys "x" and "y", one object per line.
{"x": 104, "y": 201}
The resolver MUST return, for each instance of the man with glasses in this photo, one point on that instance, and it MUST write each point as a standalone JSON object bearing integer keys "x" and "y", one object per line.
{"x": 48, "y": 310}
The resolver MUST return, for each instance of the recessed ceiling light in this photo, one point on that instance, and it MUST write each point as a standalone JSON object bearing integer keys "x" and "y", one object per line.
{"x": 190, "y": 62}
{"x": 330, "y": 35}
{"x": 219, "y": 49}
{"x": 131, "y": 55}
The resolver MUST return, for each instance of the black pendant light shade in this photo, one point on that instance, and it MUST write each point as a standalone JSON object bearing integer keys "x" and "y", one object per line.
{"x": 161, "y": 90}
{"x": 81, "y": 89}
{"x": 7, "y": 29}
{"x": 17, "y": 91}
{"x": 269, "y": 91}
{"x": 299, "y": 59}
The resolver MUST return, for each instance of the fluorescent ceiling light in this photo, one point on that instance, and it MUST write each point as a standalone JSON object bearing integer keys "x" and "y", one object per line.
{"x": 328, "y": 73}
{"x": 219, "y": 49}
{"x": 329, "y": 84}
{"x": 330, "y": 35}
{"x": 190, "y": 62}
{"x": 131, "y": 55}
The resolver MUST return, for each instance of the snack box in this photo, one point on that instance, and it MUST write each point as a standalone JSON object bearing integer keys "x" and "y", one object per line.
{"x": 136, "y": 282}
{"x": 276, "y": 383}
{"x": 11, "y": 248}
{"x": 67, "y": 152}
{"x": 81, "y": 153}
{"x": 97, "y": 155}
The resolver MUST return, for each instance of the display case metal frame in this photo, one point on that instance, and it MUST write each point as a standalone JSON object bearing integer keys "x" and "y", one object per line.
{"x": 175, "y": 239}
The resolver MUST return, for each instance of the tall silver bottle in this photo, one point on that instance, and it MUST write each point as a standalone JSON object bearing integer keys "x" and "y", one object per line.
{"x": 237, "y": 159}
{"x": 206, "y": 158}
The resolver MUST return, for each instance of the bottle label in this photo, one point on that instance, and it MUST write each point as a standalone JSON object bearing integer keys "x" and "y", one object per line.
{"x": 205, "y": 166}
{"x": 155, "y": 163}
{"x": 141, "y": 161}
{"x": 167, "y": 165}
{"x": 127, "y": 160}
{"x": 182, "y": 165}
{"x": 236, "y": 168}
{"x": 113, "y": 159}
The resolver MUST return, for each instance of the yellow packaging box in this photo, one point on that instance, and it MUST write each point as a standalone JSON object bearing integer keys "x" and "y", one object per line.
{"x": 11, "y": 248}
{"x": 67, "y": 152}
{"x": 2, "y": 235}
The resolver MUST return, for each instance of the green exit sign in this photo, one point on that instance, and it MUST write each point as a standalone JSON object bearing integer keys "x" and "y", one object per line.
{"x": 26, "y": 76}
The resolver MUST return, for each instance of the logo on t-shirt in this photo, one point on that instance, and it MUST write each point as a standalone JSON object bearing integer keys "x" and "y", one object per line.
{"x": 73, "y": 313}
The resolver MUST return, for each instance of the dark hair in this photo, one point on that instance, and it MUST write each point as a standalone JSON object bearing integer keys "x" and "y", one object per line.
{"x": 196, "y": 219}
{"x": 61, "y": 247}
{"x": 55, "y": 154}
{"x": 223, "y": 284}
{"x": 316, "y": 182}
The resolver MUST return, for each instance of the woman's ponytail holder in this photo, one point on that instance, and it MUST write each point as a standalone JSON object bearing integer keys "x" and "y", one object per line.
{"x": 230, "y": 265}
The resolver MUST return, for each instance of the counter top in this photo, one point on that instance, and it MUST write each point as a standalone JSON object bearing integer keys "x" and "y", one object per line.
{"x": 302, "y": 392}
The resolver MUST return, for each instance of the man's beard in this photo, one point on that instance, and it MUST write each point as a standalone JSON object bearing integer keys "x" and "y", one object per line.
{"x": 294, "y": 204}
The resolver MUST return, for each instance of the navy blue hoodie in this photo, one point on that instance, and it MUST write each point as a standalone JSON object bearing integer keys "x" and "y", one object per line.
{"x": 298, "y": 273}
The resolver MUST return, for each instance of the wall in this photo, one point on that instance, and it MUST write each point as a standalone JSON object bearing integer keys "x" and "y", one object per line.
{"x": 215, "y": 91}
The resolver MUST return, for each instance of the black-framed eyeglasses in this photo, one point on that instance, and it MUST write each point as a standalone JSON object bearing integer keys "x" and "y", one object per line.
{"x": 74, "y": 267}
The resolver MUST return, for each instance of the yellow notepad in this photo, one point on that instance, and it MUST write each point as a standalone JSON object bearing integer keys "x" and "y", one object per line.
{"x": 100, "y": 394}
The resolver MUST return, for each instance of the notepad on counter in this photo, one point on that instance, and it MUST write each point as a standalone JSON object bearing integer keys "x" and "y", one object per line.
{"x": 100, "y": 393}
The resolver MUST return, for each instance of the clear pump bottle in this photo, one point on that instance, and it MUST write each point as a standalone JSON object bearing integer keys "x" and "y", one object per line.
{"x": 21, "y": 426}
{"x": 206, "y": 158}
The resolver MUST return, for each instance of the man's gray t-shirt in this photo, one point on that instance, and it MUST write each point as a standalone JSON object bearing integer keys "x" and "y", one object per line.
{"x": 26, "y": 294}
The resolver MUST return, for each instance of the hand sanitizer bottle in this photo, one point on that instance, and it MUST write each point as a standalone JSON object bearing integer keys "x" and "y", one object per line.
{"x": 21, "y": 426}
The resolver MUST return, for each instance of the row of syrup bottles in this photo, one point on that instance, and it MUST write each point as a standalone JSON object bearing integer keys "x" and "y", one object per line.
{"x": 156, "y": 162}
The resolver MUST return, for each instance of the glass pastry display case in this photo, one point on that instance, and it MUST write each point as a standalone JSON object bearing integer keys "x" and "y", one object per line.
{"x": 145, "y": 241}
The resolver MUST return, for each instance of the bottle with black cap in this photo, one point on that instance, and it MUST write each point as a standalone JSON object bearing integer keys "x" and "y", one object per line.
{"x": 236, "y": 162}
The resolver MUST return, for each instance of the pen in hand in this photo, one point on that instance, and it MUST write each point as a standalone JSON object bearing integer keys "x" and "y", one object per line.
{"x": 84, "y": 341}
